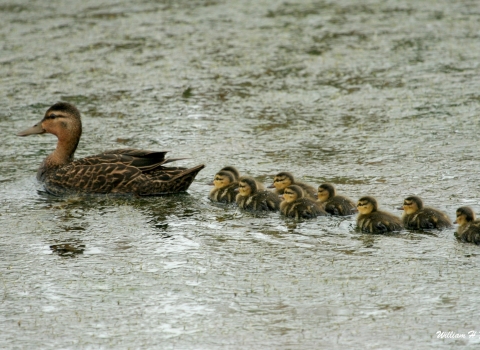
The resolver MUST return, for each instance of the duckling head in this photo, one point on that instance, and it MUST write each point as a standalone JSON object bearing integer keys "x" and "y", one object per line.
{"x": 292, "y": 193}
{"x": 233, "y": 170}
{"x": 412, "y": 204}
{"x": 367, "y": 205}
{"x": 464, "y": 215}
{"x": 326, "y": 191}
{"x": 282, "y": 180}
{"x": 247, "y": 186}
{"x": 223, "y": 178}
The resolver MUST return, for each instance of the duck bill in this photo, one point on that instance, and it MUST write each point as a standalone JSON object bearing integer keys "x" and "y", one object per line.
{"x": 400, "y": 208}
{"x": 271, "y": 186}
{"x": 210, "y": 183}
{"x": 36, "y": 129}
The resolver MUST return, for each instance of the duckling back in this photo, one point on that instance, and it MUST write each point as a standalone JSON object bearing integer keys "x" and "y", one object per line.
{"x": 259, "y": 201}
{"x": 426, "y": 218}
{"x": 340, "y": 206}
{"x": 226, "y": 194}
{"x": 470, "y": 233}
{"x": 302, "y": 208}
{"x": 379, "y": 222}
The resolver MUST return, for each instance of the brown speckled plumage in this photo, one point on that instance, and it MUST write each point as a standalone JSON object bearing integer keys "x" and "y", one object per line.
{"x": 121, "y": 171}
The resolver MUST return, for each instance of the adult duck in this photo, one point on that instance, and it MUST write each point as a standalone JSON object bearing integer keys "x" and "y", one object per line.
{"x": 120, "y": 171}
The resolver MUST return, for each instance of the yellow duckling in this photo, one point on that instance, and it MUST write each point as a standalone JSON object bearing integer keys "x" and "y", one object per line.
{"x": 284, "y": 179}
{"x": 333, "y": 203}
{"x": 370, "y": 219}
{"x": 121, "y": 171}
{"x": 469, "y": 228}
{"x": 295, "y": 205}
{"x": 417, "y": 217}
{"x": 226, "y": 187}
{"x": 250, "y": 197}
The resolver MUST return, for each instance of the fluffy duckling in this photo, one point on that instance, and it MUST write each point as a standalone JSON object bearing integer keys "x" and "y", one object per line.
{"x": 334, "y": 204}
{"x": 417, "y": 217}
{"x": 226, "y": 187}
{"x": 251, "y": 197}
{"x": 469, "y": 228}
{"x": 233, "y": 170}
{"x": 370, "y": 219}
{"x": 284, "y": 179}
{"x": 295, "y": 204}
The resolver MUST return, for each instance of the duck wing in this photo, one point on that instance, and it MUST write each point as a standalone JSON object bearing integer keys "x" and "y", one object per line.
{"x": 93, "y": 178}
{"x": 144, "y": 160}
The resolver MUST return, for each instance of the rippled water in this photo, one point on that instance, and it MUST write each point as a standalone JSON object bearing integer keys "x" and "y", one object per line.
{"x": 380, "y": 97}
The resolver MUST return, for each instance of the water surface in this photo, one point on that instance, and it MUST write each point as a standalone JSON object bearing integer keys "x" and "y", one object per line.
{"x": 379, "y": 97}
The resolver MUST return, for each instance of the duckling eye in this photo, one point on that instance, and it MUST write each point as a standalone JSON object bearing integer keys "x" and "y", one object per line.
{"x": 241, "y": 186}
{"x": 51, "y": 116}
{"x": 361, "y": 204}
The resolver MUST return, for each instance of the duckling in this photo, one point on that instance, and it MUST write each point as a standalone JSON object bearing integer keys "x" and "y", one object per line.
{"x": 370, "y": 219}
{"x": 334, "y": 204}
{"x": 417, "y": 217}
{"x": 469, "y": 228}
{"x": 233, "y": 170}
{"x": 250, "y": 197}
{"x": 120, "y": 171}
{"x": 226, "y": 187}
{"x": 295, "y": 204}
{"x": 284, "y": 179}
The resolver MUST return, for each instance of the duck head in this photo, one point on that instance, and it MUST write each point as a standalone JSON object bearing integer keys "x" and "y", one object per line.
{"x": 411, "y": 205}
{"x": 232, "y": 170}
{"x": 62, "y": 120}
{"x": 292, "y": 193}
{"x": 464, "y": 216}
{"x": 247, "y": 186}
{"x": 222, "y": 179}
{"x": 282, "y": 180}
{"x": 326, "y": 191}
{"x": 367, "y": 205}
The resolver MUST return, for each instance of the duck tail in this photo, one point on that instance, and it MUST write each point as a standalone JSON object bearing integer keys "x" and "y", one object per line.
{"x": 178, "y": 183}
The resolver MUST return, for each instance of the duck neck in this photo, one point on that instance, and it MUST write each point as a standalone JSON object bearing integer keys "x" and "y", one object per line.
{"x": 63, "y": 154}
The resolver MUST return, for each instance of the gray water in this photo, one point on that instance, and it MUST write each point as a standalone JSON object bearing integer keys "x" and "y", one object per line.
{"x": 381, "y": 98}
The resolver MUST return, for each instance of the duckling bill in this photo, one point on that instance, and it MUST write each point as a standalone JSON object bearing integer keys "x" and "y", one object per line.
{"x": 121, "y": 171}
